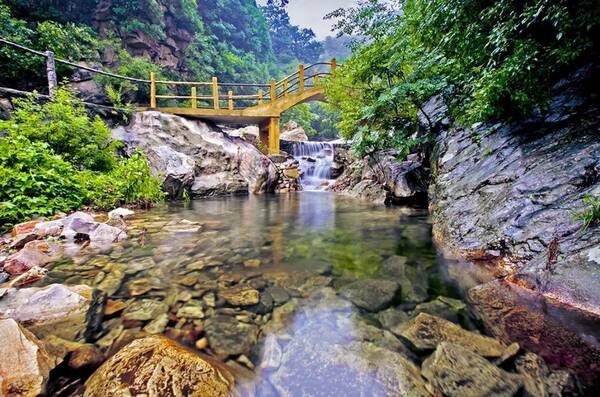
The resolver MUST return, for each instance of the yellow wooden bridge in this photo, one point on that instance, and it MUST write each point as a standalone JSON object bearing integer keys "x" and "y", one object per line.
{"x": 240, "y": 103}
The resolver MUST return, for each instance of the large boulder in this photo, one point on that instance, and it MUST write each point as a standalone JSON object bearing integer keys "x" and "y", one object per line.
{"x": 157, "y": 366}
{"x": 197, "y": 157}
{"x": 458, "y": 372}
{"x": 59, "y": 310}
{"x": 33, "y": 254}
{"x": 25, "y": 364}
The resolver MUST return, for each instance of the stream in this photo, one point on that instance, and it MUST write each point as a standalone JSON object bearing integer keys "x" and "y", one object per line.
{"x": 302, "y": 252}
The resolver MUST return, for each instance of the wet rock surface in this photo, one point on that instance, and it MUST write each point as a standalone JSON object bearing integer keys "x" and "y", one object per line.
{"x": 197, "y": 157}
{"x": 158, "y": 366}
{"x": 63, "y": 311}
{"x": 458, "y": 372}
{"x": 25, "y": 363}
{"x": 509, "y": 192}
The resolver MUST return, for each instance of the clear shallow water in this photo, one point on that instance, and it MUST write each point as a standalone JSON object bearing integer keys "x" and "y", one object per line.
{"x": 299, "y": 251}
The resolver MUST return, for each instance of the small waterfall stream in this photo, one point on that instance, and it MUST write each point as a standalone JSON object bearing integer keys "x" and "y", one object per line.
{"x": 315, "y": 160}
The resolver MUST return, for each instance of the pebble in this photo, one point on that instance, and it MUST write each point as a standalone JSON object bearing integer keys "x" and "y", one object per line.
{"x": 252, "y": 263}
{"x": 202, "y": 344}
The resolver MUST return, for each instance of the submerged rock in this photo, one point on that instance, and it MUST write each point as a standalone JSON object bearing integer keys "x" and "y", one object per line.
{"x": 228, "y": 336}
{"x": 25, "y": 364}
{"x": 426, "y": 332}
{"x": 412, "y": 278}
{"x": 145, "y": 309}
{"x": 59, "y": 310}
{"x": 240, "y": 296}
{"x": 458, "y": 372}
{"x": 311, "y": 368}
{"x": 157, "y": 366}
{"x": 370, "y": 294}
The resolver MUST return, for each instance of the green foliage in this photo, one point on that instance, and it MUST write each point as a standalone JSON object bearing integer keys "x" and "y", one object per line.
{"x": 317, "y": 120}
{"x": 591, "y": 212}
{"x": 55, "y": 158}
{"x": 65, "y": 127}
{"x": 34, "y": 182}
{"x": 68, "y": 41}
{"x": 490, "y": 60}
{"x": 130, "y": 182}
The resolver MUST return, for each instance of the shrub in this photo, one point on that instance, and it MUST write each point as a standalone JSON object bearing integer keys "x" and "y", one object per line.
{"x": 130, "y": 182}
{"x": 34, "y": 182}
{"x": 65, "y": 126}
{"x": 591, "y": 212}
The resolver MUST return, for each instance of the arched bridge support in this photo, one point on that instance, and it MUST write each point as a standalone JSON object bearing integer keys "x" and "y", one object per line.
{"x": 269, "y": 133}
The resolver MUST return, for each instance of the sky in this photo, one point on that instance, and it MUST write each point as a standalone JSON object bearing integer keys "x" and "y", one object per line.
{"x": 310, "y": 13}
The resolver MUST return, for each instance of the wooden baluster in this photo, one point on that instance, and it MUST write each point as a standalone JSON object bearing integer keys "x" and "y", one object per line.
{"x": 152, "y": 90}
{"x": 215, "y": 93}
{"x": 285, "y": 87}
{"x": 301, "y": 78}
{"x": 333, "y": 66}
{"x": 273, "y": 90}
{"x": 230, "y": 97}
{"x": 316, "y": 78}
{"x": 194, "y": 98}
{"x": 260, "y": 96}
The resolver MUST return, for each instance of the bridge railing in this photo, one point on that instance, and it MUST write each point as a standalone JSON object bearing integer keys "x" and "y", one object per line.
{"x": 212, "y": 95}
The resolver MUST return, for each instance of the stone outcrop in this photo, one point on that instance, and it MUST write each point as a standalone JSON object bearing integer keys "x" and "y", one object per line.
{"x": 59, "y": 310}
{"x": 157, "y": 366}
{"x": 196, "y": 157}
{"x": 509, "y": 193}
{"x": 381, "y": 178}
{"x": 24, "y": 364}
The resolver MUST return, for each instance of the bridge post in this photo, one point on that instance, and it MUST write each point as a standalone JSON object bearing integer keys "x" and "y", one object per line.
{"x": 301, "y": 78}
{"x": 285, "y": 87}
{"x": 215, "y": 93}
{"x": 51, "y": 72}
{"x": 269, "y": 135}
{"x": 333, "y": 66}
{"x": 152, "y": 90}
{"x": 230, "y": 99}
{"x": 194, "y": 98}
{"x": 260, "y": 96}
{"x": 273, "y": 90}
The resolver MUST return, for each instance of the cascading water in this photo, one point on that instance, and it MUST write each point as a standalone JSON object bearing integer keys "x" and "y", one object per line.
{"x": 316, "y": 159}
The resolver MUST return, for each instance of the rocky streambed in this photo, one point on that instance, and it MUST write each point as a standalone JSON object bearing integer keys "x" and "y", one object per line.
{"x": 304, "y": 294}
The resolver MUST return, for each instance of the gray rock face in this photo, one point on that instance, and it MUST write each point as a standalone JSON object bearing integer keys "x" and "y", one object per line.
{"x": 370, "y": 294}
{"x": 458, "y": 372}
{"x": 381, "y": 178}
{"x": 512, "y": 191}
{"x": 191, "y": 155}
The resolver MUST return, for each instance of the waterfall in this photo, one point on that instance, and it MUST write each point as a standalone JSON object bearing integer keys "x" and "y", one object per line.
{"x": 315, "y": 160}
